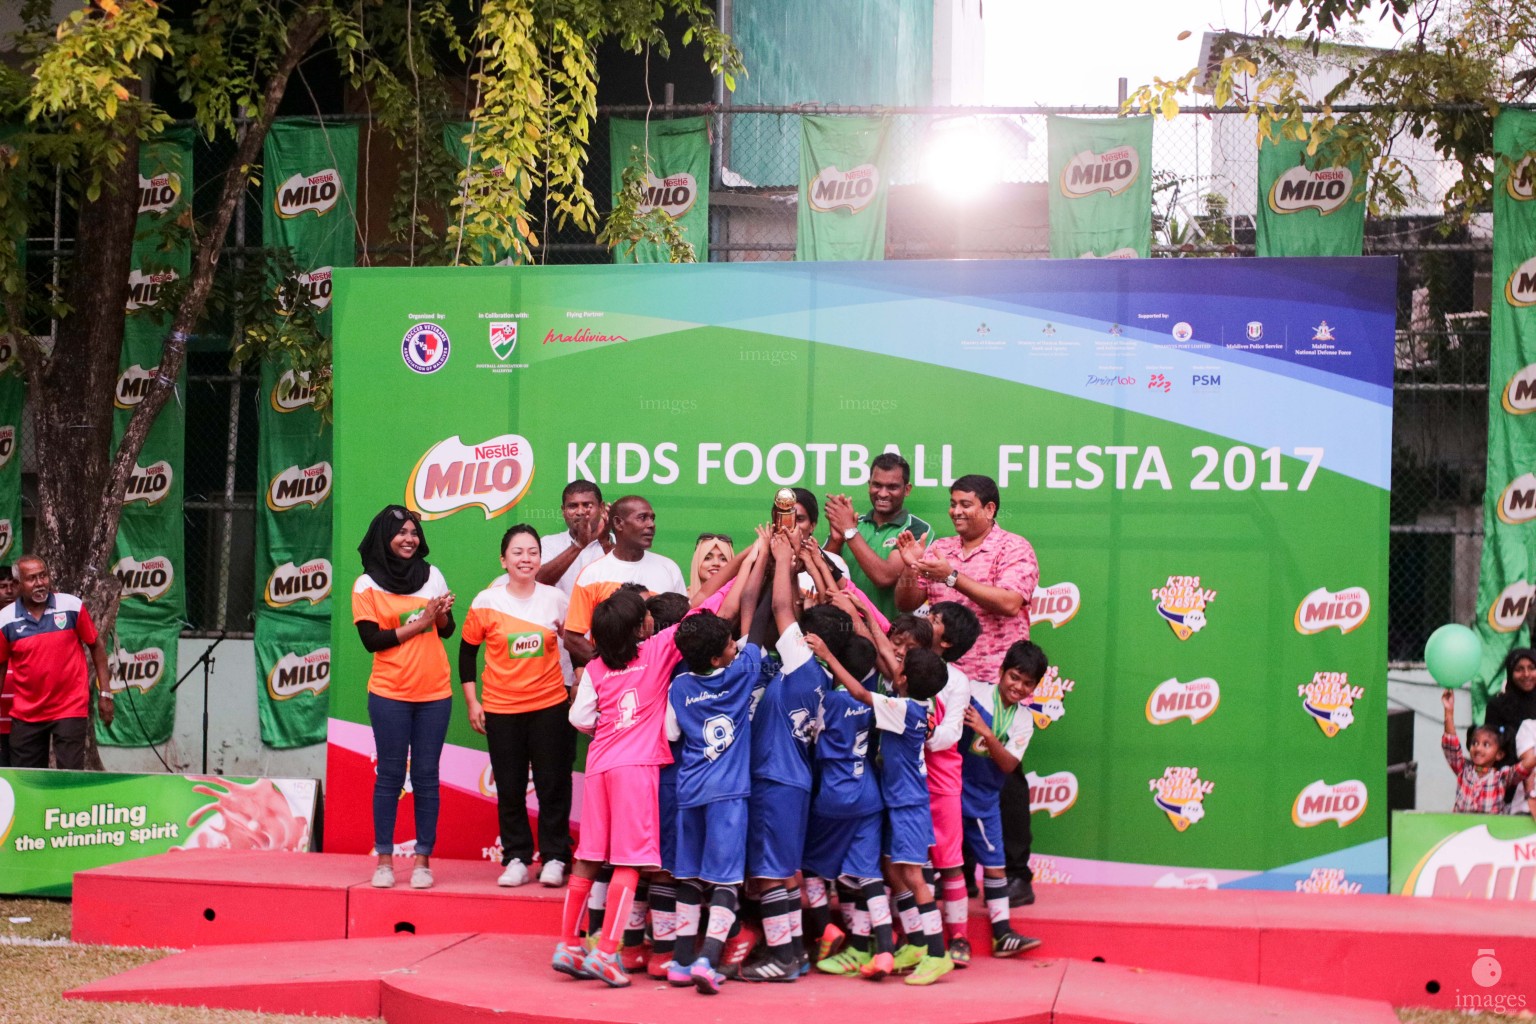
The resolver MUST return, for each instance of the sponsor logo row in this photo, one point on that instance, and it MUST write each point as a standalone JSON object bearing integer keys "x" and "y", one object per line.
{"x": 293, "y": 673}
{"x": 1182, "y": 602}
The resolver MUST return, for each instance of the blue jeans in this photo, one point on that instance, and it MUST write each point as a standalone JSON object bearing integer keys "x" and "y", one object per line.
{"x": 407, "y": 732}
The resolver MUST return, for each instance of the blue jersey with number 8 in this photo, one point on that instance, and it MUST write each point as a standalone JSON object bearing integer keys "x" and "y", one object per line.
{"x": 713, "y": 713}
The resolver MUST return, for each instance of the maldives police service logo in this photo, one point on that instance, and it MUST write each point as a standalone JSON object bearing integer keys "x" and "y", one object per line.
{"x": 851, "y": 190}
{"x": 1323, "y": 609}
{"x": 1182, "y": 603}
{"x": 1057, "y": 604}
{"x": 150, "y": 484}
{"x": 1325, "y": 190}
{"x": 1180, "y": 793}
{"x": 1340, "y": 802}
{"x": 1112, "y": 171}
{"x": 1055, "y": 793}
{"x": 308, "y": 193}
{"x": 139, "y": 669}
{"x": 292, "y": 392}
{"x": 158, "y": 194}
{"x": 295, "y": 673}
{"x": 1329, "y": 700}
{"x": 452, "y": 476}
{"x": 425, "y": 348}
{"x": 150, "y": 579}
{"x": 1047, "y": 703}
{"x": 1255, "y": 330}
{"x": 674, "y": 195}
{"x": 1328, "y": 882}
{"x": 503, "y": 337}
{"x": 300, "y": 485}
{"x": 1172, "y": 700}
{"x": 289, "y": 583}
{"x": 1508, "y": 611}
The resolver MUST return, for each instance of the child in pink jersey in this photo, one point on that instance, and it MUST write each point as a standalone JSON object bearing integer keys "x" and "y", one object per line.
{"x": 621, "y": 702}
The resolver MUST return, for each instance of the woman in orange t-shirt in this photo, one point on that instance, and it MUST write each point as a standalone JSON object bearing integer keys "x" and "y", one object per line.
{"x": 521, "y": 708}
{"x": 401, "y": 606}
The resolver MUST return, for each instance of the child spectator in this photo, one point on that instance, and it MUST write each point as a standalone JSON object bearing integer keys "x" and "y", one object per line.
{"x": 1480, "y": 783}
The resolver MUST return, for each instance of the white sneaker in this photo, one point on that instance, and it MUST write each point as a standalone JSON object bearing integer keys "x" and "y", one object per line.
{"x": 384, "y": 877}
{"x": 515, "y": 873}
{"x": 421, "y": 877}
{"x": 553, "y": 874}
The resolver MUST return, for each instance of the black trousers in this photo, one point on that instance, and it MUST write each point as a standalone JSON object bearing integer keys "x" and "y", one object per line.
{"x": 545, "y": 742}
{"x": 29, "y": 743}
{"x": 1017, "y": 836}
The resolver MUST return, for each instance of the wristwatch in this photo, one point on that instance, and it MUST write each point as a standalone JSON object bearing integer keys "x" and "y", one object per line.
{"x": 952, "y": 578}
{"x": 850, "y": 533}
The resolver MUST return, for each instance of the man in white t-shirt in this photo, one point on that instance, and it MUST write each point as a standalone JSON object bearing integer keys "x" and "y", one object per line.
{"x": 630, "y": 561}
{"x": 585, "y": 540}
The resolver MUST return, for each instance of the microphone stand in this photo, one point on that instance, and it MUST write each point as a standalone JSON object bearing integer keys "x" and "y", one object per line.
{"x": 205, "y": 660}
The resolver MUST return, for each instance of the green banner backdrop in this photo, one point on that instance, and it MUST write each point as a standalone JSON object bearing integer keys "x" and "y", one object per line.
{"x": 1101, "y": 186}
{"x": 843, "y": 188}
{"x": 1213, "y": 565}
{"x": 151, "y": 537}
{"x": 675, "y": 155}
{"x": 13, "y": 393}
{"x": 311, "y": 174}
{"x": 1306, "y": 209}
{"x": 1505, "y": 584}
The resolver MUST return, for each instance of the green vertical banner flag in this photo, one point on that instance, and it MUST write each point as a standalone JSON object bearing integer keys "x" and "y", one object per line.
{"x": 151, "y": 537}
{"x": 1505, "y": 585}
{"x": 1101, "y": 187}
{"x": 675, "y": 156}
{"x": 1307, "y": 208}
{"x": 843, "y": 187}
{"x": 12, "y": 395}
{"x": 311, "y": 175}
{"x": 457, "y": 138}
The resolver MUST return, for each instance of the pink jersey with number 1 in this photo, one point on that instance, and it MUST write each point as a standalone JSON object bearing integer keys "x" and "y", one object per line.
{"x": 632, "y": 707}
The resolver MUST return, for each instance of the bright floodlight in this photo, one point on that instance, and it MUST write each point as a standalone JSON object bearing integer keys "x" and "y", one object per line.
{"x": 961, "y": 158}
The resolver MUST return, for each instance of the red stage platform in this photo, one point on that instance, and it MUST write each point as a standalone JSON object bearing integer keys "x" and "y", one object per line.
{"x": 1406, "y": 952}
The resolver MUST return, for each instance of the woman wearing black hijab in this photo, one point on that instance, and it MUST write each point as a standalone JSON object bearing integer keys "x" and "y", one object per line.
{"x": 401, "y": 606}
{"x": 1517, "y": 702}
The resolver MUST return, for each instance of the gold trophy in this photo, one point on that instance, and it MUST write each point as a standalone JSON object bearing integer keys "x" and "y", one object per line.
{"x": 784, "y": 510}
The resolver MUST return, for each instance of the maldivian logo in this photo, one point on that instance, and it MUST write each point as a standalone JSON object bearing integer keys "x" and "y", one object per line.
{"x": 150, "y": 579}
{"x": 159, "y": 194}
{"x": 1181, "y": 602}
{"x": 1180, "y": 793}
{"x": 300, "y": 485}
{"x": 144, "y": 289}
{"x": 289, "y": 584}
{"x": 425, "y": 348}
{"x": 292, "y": 392}
{"x": 1520, "y": 289}
{"x": 7, "y": 444}
{"x": 492, "y": 475}
{"x": 150, "y": 484}
{"x": 1172, "y": 700}
{"x": 851, "y": 190}
{"x": 525, "y": 645}
{"x": 1088, "y": 172}
{"x": 1521, "y": 183}
{"x": 306, "y": 193}
{"x": 7, "y": 537}
{"x": 1341, "y": 802}
{"x": 1507, "y": 613}
{"x": 1329, "y": 882}
{"x": 503, "y": 337}
{"x": 1325, "y": 190}
{"x": 1323, "y": 609}
{"x": 1046, "y": 705}
{"x": 1519, "y": 395}
{"x": 7, "y": 810}
{"x": 296, "y": 673}
{"x": 1518, "y": 502}
{"x": 1056, "y": 604}
{"x": 1054, "y": 793}
{"x": 673, "y": 195}
{"x": 138, "y": 669}
{"x": 132, "y": 386}
{"x": 1329, "y": 699}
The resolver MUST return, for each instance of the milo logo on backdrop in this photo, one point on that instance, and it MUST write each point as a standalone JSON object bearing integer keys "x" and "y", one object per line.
{"x": 292, "y": 392}
{"x": 1340, "y": 802}
{"x": 138, "y": 669}
{"x": 1521, "y": 183}
{"x": 316, "y": 285}
{"x": 1056, "y": 604}
{"x": 1325, "y": 190}
{"x": 452, "y": 476}
{"x": 150, "y": 484}
{"x": 299, "y": 673}
{"x": 1055, "y": 793}
{"x": 150, "y": 579}
{"x": 851, "y": 190}
{"x": 1519, "y": 395}
{"x": 7, "y": 537}
{"x": 1518, "y": 502}
{"x": 674, "y": 194}
{"x": 1323, "y": 609}
{"x": 1520, "y": 289}
{"x": 308, "y": 193}
{"x": 289, "y": 584}
{"x": 300, "y": 485}
{"x": 1112, "y": 171}
{"x": 160, "y": 193}
{"x": 144, "y": 289}
{"x": 132, "y": 386}
{"x": 1172, "y": 700}
{"x": 7, "y": 444}
{"x": 1508, "y": 611}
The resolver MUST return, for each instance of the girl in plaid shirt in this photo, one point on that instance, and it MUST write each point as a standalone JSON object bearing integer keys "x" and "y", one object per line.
{"x": 1480, "y": 785}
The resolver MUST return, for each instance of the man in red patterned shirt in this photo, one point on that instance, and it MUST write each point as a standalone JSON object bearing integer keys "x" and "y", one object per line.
{"x": 994, "y": 573}
{"x": 7, "y": 688}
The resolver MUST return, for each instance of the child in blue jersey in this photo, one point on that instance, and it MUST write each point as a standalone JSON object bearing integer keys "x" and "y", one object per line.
{"x": 709, "y": 712}
{"x": 995, "y": 738}
{"x": 783, "y": 727}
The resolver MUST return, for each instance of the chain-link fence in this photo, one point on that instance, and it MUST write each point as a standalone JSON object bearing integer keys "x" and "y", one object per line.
{"x": 965, "y": 184}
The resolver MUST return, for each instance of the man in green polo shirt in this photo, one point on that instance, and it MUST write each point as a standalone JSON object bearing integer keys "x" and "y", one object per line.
{"x": 868, "y": 542}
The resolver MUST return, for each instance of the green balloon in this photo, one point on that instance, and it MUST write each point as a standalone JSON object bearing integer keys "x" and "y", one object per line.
{"x": 1453, "y": 655}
